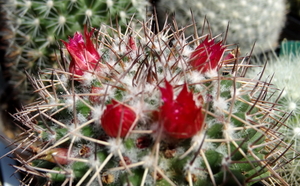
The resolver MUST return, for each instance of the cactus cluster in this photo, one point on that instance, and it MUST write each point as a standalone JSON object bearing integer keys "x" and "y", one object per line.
{"x": 35, "y": 26}
{"x": 145, "y": 108}
{"x": 251, "y": 21}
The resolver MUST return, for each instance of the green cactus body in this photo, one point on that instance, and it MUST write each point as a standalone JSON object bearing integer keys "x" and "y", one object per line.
{"x": 140, "y": 77}
{"x": 250, "y": 21}
{"x": 36, "y": 27}
{"x": 283, "y": 70}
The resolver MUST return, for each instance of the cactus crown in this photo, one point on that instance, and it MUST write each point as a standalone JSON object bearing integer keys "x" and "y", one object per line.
{"x": 141, "y": 108}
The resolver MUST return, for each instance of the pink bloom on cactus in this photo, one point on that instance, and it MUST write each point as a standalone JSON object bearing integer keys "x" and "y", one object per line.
{"x": 207, "y": 55}
{"x": 84, "y": 54}
{"x": 117, "y": 116}
{"x": 181, "y": 118}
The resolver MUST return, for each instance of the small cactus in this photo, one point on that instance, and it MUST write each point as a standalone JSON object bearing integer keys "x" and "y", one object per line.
{"x": 140, "y": 108}
{"x": 251, "y": 21}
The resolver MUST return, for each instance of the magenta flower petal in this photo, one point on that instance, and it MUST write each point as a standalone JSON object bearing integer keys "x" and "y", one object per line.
{"x": 181, "y": 118}
{"x": 207, "y": 56}
{"x": 83, "y": 53}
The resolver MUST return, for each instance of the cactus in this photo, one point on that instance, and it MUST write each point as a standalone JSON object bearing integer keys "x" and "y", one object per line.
{"x": 140, "y": 108}
{"x": 35, "y": 26}
{"x": 284, "y": 71}
{"x": 251, "y": 21}
{"x": 32, "y": 29}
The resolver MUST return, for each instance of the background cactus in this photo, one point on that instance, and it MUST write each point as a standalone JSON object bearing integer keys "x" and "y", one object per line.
{"x": 145, "y": 108}
{"x": 35, "y": 27}
{"x": 284, "y": 73}
{"x": 251, "y": 21}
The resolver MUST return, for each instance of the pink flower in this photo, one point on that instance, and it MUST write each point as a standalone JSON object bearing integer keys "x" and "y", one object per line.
{"x": 84, "y": 55}
{"x": 181, "y": 118}
{"x": 207, "y": 55}
{"x": 117, "y": 116}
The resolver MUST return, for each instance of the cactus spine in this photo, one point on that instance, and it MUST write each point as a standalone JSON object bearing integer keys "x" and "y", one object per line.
{"x": 284, "y": 73}
{"x": 144, "y": 109}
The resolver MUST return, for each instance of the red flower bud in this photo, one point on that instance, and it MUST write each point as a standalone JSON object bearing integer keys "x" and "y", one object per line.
{"x": 117, "y": 116}
{"x": 181, "y": 118}
{"x": 131, "y": 44}
{"x": 93, "y": 98}
{"x": 83, "y": 53}
{"x": 207, "y": 55}
{"x": 57, "y": 155}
